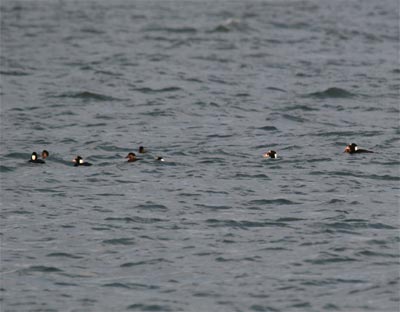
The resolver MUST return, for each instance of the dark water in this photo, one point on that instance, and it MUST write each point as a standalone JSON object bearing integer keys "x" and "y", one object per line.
{"x": 211, "y": 86}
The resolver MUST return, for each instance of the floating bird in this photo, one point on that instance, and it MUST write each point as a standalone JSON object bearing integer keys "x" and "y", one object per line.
{"x": 79, "y": 162}
{"x": 34, "y": 159}
{"x": 353, "y": 148}
{"x": 270, "y": 154}
{"x": 132, "y": 157}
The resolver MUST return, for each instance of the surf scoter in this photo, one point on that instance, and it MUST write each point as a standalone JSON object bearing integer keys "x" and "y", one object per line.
{"x": 45, "y": 154}
{"x": 270, "y": 154}
{"x": 353, "y": 148}
{"x": 79, "y": 162}
{"x": 132, "y": 157}
{"x": 34, "y": 159}
{"x": 142, "y": 150}
{"x": 159, "y": 158}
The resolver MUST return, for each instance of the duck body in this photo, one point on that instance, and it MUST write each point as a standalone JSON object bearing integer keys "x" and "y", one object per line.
{"x": 78, "y": 161}
{"x": 132, "y": 157}
{"x": 35, "y": 160}
{"x": 271, "y": 154}
{"x": 142, "y": 150}
{"x": 45, "y": 154}
{"x": 353, "y": 149}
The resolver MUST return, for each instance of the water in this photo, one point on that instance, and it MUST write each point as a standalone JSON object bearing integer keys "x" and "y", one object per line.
{"x": 210, "y": 86}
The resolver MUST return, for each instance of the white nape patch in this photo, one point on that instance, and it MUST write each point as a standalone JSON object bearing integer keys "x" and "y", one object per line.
{"x": 276, "y": 155}
{"x": 162, "y": 159}
{"x": 356, "y": 148}
{"x": 33, "y": 157}
{"x": 81, "y": 161}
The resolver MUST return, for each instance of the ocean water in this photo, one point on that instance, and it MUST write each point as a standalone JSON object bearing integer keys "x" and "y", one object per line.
{"x": 210, "y": 86}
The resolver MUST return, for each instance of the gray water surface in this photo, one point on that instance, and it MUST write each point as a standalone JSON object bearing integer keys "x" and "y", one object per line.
{"x": 210, "y": 86}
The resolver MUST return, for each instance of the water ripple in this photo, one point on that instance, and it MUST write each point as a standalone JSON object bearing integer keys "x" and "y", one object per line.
{"x": 331, "y": 93}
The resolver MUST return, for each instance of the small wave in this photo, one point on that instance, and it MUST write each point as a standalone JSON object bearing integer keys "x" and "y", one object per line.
{"x": 258, "y": 308}
{"x": 158, "y": 113}
{"x": 119, "y": 241}
{"x": 208, "y": 294}
{"x": 230, "y": 24}
{"x": 242, "y": 94}
{"x": 145, "y": 262}
{"x": 118, "y": 285}
{"x": 252, "y": 176}
{"x": 222, "y": 259}
{"x": 332, "y": 281}
{"x": 130, "y": 286}
{"x": 100, "y": 124}
{"x": 293, "y": 25}
{"x": 152, "y": 206}
{"x": 108, "y": 73}
{"x": 135, "y": 219}
{"x": 341, "y": 134}
{"x": 149, "y": 307}
{"x": 221, "y": 136}
{"x": 359, "y": 224}
{"x": 294, "y": 118}
{"x": 22, "y": 212}
{"x": 214, "y": 207}
{"x": 111, "y": 148}
{"x": 385, "y": 177}
{"x": 6, "y": 169}
{"x": 243, "y": 224}
{"x": 276, "y": 89}
{"x": 63, "y": 254}
{"x": 178, "y": 30}
{"x": 214, "y": 58}
{"x": 318, "y": 160}
{"x": 330, "y": 260}
{"x": 43, "y": 269}
{"x": 305, "y": 108}
{"x": 150, "y": 90}
{"x": 87, "y": 95}
{"x": 331, "y": 93}
{"x": 369, "y": 253}
{"x": 268, "y": 128}
{"x": 278, "y": 201}
{"x": 14, "y": 73}
{"x": 289, "y": 219}
{"x": 336, "y": 201}
{"x": 91, "y": 30}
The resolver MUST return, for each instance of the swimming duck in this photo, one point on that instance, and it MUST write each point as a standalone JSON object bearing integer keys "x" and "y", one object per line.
{"x": 79, "y": 162}
{"x": 353, "y": 148}
{"x": 270, "y": 154}
{"x": 142, "y": 150}
{"x": 132, "y": 157}
{"x": 45, "y": 154}
{"x": 34, "y": 159}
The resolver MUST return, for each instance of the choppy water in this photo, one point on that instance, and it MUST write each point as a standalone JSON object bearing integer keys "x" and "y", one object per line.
{"x": 211, "y": 86}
